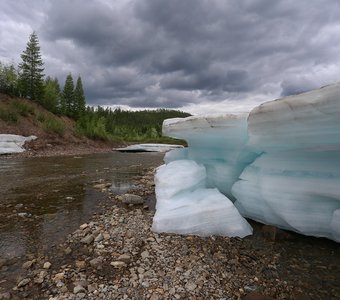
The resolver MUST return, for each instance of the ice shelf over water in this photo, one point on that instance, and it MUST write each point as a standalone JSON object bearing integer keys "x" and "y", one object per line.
{"x": 280, "y": 165}
{"x": 11, "y": 143}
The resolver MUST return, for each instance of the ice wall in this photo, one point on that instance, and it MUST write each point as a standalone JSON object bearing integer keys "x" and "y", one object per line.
{"x": 218, "y": 142}
{"x": 295, "y": 182}
{"x": 281, "y": 166}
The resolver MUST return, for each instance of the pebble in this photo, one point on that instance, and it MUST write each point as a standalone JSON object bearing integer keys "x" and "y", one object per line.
{"x": 47, "y": 265}
{"x": 24, "y": 282}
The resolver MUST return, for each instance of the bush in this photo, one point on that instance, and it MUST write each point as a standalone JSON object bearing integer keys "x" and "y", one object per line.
{"x": 23, "y": 108}
{"x": 8, "y": 116}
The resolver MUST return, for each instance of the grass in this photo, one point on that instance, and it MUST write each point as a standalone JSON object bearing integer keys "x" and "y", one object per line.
{"x": 8, "y": 115}
{"x": 23, "y": 109}
{"x": 51, "y": 124}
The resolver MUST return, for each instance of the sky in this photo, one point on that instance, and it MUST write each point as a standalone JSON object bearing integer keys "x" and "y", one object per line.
{"x": 199, "y": 56}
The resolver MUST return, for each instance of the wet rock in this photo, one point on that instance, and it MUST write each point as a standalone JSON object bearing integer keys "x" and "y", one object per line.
{"x": 132, "y": 199}
{"x": 100, "y": 186}
{"x": 87, "y": 239}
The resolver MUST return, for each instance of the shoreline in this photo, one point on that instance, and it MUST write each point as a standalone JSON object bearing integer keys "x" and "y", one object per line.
{"x": 115, "y": 255}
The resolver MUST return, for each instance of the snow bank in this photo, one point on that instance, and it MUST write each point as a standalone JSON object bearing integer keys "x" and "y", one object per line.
{"x": 11, "y": 143}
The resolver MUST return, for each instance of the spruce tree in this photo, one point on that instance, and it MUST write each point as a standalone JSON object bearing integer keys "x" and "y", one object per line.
{"x": 79, "y": 99}
{"x": 31, "y": 70}
{"x": 68, "y": 96}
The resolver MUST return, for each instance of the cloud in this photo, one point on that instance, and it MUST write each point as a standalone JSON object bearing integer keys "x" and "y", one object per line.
{"x": 181, "y": 54}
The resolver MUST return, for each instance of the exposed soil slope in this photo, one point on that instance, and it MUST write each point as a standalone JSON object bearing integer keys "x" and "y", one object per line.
{"x": 56, "y": 135}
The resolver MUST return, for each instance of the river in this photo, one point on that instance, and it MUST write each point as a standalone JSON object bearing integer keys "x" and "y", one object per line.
{"x": 44, "y": 199}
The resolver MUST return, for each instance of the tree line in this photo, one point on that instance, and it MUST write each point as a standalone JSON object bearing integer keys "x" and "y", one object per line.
{"x": 28, "y": 80}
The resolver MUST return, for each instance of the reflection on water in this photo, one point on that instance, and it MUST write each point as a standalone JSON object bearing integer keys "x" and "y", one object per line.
{"x": 44, "y": 199}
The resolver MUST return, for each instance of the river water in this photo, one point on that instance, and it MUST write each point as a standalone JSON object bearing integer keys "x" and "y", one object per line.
{"x": 44, "y": 199}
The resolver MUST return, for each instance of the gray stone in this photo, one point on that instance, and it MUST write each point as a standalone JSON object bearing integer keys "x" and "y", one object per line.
{"x": 47, "y": 265}
{"x": 132, "y": 199}
{"x": 96, "y": 262}
{"x": 78, "y": 289}
{"x": 26, "y": 265}
{"x": 5, "y": 296}
{"x": 125, "y": 258}
{"x": 87, "y": 239}
{"x": 118, "y": 264}
{"x": 190, "y": 286}
{"x": 99, "y": 238}
{"x": 24, "y": 282}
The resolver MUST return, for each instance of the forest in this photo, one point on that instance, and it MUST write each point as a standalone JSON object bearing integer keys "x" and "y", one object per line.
{"x": 27, "y": 80}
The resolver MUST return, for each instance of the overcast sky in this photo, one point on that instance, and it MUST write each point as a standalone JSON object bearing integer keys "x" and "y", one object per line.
{"x": 195, "y": 55}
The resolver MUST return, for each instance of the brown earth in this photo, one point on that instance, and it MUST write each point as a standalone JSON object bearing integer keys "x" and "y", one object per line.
{"x": 48, "y": 143}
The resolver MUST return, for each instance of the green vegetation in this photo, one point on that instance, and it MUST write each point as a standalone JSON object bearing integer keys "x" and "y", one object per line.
{"x": 51, "y": 124}
{"x": 31, "y": 70}
{"x": 134, "y": 126}
{"x": 22, "y": 108}
{"x": 8, "y": 116}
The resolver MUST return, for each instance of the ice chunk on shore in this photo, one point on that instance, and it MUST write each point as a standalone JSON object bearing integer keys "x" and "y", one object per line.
{"x": 281, "y": 165}
{"x": 11, "y": 143}
{"x": 186, "y": 206}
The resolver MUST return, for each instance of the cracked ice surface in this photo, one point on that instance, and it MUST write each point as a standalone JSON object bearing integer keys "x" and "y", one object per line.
{"x": 281, "y": 165}
{"x": 11, "y": 143}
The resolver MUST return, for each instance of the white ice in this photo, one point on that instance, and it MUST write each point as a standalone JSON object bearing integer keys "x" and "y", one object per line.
{"x": 186, "y": 206}
{"x": 281, "y": 165}
{"x": 148, "y": 148}
{"x": 11, "y": 143}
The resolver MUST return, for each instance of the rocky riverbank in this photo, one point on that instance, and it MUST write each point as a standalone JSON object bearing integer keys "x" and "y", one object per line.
{"x": 115, "y": 255}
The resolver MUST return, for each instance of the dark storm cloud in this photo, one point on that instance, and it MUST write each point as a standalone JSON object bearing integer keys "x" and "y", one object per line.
{"x": 156, "y": 53}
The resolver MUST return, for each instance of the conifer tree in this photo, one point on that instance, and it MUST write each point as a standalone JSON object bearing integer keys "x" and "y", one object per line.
{"x": 68, "y": 95}
{"x": 31, "y": 70}
{"x": 79, "y": 99}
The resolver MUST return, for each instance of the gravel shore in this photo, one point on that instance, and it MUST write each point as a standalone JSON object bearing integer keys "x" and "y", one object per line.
{"x": 116, "y": 256}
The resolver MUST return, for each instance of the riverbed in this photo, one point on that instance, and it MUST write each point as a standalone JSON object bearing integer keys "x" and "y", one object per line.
{"x": 44, "y": 199}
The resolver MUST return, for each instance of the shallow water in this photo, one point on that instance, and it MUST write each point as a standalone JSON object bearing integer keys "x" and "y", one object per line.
{"x": 44, "y": 199}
